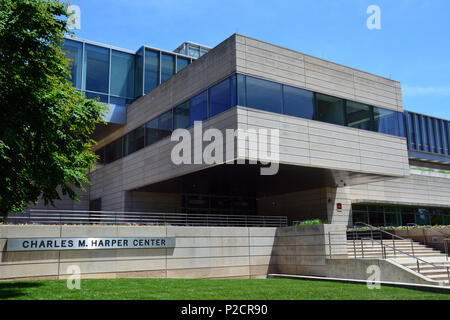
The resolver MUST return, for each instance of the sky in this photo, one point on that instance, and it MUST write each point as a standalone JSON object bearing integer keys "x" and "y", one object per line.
{"x": 412, "y": 45}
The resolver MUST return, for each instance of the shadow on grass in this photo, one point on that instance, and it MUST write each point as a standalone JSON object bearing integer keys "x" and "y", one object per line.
{"x": 14, "y": 290}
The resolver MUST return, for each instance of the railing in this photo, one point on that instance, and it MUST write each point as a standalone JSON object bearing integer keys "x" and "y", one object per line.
{"x": 374, "y": 230}
{"x": 384, "y": 255}
{"x": 425, "y": 229}
{"x": 144, "y": 218}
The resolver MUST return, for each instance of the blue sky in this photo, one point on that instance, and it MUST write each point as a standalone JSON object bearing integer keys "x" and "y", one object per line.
{"x": 412, "y": 46}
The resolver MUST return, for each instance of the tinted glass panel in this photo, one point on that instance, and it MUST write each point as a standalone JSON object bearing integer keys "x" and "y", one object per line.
{"x": 151, "y": 70}
{"x": 133, "y": 141}
{"x": 120, "y": 101}
{"x": 385, "y": 121}
{"x": 241, "y": 99}
{"x": 139, "y": 74}
{"x": 358, "y": 115}
{"x": 97, "y": 68}
{"x": 412, "y": 136}
{"x": 103, "y": 98}
{"x": 101, "y": 155}
{"x": 264, "y": 95}
{"x": 193, "y": 51}
{"x": 219, "y": 98}
{"x": 298, "y": 102}
{"x": 424, "y": 132}
{"x": 74, "y": 53}
{"x": 437, "y": 130}
{"x": 167, "y": 67}
{"x": 330, "y": 109}
{"x": 113, "y": 151}
{"x": 446, "y": 137}
{"x": 432, "y": 135}
{"x": 165, "y": 124}
{"x": 418, "y": 132}
{"x": 181, "y": 116}
{"x": 151, "y": 132}
{"x": 122, "y": 74}
{"x": 182, "y": 63}
{"x": 199, "y": 108}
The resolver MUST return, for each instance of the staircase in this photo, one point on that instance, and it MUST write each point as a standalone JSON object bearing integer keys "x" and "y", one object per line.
{"x": 417, "y": 257}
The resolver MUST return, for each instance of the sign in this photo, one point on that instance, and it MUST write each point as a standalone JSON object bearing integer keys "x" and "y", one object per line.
{"x": 32, "y": 244}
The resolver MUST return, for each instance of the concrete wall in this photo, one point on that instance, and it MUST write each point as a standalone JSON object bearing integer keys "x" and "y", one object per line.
{"x": 303, "y": 250}
{"x": 199, "y": 253}
{"x": 272, "y": 62}
{"x": 417, "y": 188}
{"x": 390, "y": 271}
{"x": 322, "y": 145}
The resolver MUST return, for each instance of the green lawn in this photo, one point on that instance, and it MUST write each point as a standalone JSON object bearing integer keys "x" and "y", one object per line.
{"x": 206, "y": 289}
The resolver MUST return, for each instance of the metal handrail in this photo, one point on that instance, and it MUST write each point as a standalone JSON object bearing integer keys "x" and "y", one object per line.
{"x": 381, "y": 230}
{"x": 383, "y": 245}
{"x": 114, "y": 217}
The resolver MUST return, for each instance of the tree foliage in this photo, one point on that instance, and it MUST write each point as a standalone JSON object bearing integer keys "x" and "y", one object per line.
{"x": 45, "y": 123}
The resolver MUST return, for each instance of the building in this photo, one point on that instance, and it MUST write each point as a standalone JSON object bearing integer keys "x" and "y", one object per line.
{"x": 348, "y": 151}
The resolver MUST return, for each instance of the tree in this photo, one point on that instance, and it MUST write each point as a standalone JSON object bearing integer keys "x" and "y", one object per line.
{"x": 45, "y": 123}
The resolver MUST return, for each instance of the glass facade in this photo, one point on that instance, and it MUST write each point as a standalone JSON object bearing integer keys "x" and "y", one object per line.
{"x": 118, "y": 76}
{"x": 378, "y": 215}
{"x": 269, "y": 96}
{"x": 428, "y": 137}
{"x": 330, "y": 109}
{"x": 96, "y": 66}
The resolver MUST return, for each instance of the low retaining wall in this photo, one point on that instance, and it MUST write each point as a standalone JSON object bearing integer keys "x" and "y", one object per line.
{"x": 303, "y": 250}
{"x": 200, "y": 252}
{"x": 389, "y": 271}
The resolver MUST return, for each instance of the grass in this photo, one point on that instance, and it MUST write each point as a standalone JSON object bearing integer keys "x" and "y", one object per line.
{"x": 206, "y": 289}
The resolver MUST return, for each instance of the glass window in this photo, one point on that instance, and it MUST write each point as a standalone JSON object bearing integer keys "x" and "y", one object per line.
{"x": 392, "y": 219}
{"x": 360, "y": 216}
{"x": 401, "y": 124}
{"x": 133, "y": 141}
{"x": 158, "y": 128}
{"x": 264, "y": 95}
{"x": 241, "y": 101}
{"x": 103, "y": 97}
{"x": 432, "y": 136}
{"x": 439, "y": 142}
{"x": 182, "y": 63}
{"x": 412, "y": 136}
{"x": 101, "y": 155}
{"x": 199, "y": 108}
{"x": 97, "y": 68}
{"x": 193, "y": 51}
{"x": 181, "y": 116}
{"x": 165, "y": 123}
{"x": 447, "y": 137}
{"x": 113, "y": 151}
{"x": 446, "y": 220}
{"x": 167, "y": 66}
{"x": 385, "y": 121}
{"x": 74, "y": 53}
{"x": 436, "y": 219}
{"x": 219, "y": 98}
{"x": 203, "y": 51}
{"x": 151, "y": 70}
{"x": 358, "y": 115}
{"x": 425, "y": 131}
{"x": 120, "y": 101}
{"x": 298, "y": 102}
{"x": 151, "y": 132}
{"x": 330, "y": 109}
{"x": 122, "y": 74}
{"x": 139, "y": 73}
{"x": 408, "y": 218}
{"x": 418, "y": 132}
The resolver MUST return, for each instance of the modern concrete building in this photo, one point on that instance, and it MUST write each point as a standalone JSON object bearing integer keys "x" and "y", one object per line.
{"x": 348, "y": 151}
